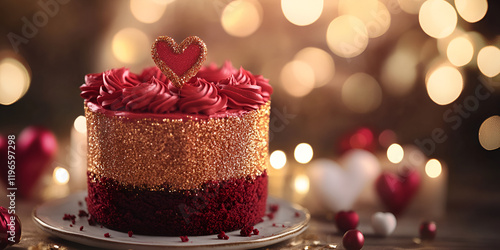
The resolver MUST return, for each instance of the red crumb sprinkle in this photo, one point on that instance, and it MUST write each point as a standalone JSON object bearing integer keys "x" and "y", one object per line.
{"x": 107, "y": 235}
{"x": 91, "y": 221}
{"x": 282, "y": 225}
{"x": 71, "y": 225}
{"x": 246, "y": 231}
{"x": 297, "y": 214}
{"x": 82, "y": 213}
{"x": 274, "y": 224}
{"x": 184, "y": 238}
{"x": 223, "y": 236}
{"x": 274, "y": 208}
{"x": 81, "y": 228}
{"x": 270, "y": 216}
{"x": 69, "y": 217}
{"x": 73, "y": 221}
{"x": 256, "y": 231}
{"x": 80, "y": 203}
{"x": 130, "y": 233}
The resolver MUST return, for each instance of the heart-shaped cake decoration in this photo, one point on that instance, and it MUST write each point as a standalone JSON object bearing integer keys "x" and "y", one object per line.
{"x": 179, "y": 62}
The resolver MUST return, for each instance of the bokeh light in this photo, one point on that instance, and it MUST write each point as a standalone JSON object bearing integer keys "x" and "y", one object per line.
{"x": 362, "y": 138}
{"x": 347, "y": 36}
{"x": 444, "y": 85}
{"x": 395, "y": 153}
{"x": 477, "y": 39}
{"x": 471, "y": 10}
{"x": 442, "y": 43}
{"x": 361, "y": 93}
{"x": 301, "y": 184}
{"x": 411, "y": 6}
{"x": 60, "y": 175}
{"x": 241, "y": 18}
{"x": 489, "y": 133}
{"x": 372, "y": 13}
{"x": 320, "y": 62}
{"x": 386, "y": 138}
{"x": 379, "y": 21}
{"x": 277, "y": 159}
{"x": 359, "y": 8}
{"x": 399, "y": 72}
{"x": 437, "y": 18}
{"x": 131, "y": 45}
{"x": 488, "y": 61}
{"x": 14, "y": 80}
{"x": 303, "y": 153}
{"x": 148, "y": 11}
{"x": 80, "y": 124}
{"x": 460, "y": 51}
{"x": 433, "y": 168}
{"x": 297, "y": 78}
{"x": 300, "y": 12}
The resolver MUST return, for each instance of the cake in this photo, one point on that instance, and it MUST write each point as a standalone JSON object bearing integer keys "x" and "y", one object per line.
{"x": 179, "y": 149}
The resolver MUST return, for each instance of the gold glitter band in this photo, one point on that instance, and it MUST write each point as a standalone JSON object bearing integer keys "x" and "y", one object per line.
{"x": 182, "y": 154}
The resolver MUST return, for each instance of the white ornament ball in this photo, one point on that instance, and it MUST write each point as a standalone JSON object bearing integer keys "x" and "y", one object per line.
{"x": 383, "y": 223}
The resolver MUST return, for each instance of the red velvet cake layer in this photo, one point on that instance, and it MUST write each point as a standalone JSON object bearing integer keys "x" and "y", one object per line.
{"x": 217, "y": 206}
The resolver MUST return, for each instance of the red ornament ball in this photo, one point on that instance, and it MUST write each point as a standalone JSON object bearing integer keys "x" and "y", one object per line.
{"x": 428, "y": 230}
{"x": 346, "y": 220}
{"x": 10, "y": 228}
{"x": 353, "y": 240}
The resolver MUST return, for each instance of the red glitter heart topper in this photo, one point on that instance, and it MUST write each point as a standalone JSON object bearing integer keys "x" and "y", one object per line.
{"x": 179, "y": 62}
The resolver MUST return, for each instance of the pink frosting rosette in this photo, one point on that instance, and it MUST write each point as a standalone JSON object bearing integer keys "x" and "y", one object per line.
{"x": 241, "y": 95}
{"x": 201, "y": 97}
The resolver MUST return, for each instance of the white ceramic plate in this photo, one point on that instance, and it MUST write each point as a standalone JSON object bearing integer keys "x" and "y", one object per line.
{"x": 290, "y": 220}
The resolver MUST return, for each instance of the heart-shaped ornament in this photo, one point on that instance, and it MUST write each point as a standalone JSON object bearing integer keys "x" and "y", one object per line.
{"x": 339, "y": 187}
{"x": 396, "y": 191}
{"x": 383, "y": 224}
{"x": 179, "y": 62}
{"x": 35, "y": 149}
